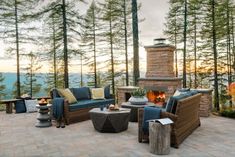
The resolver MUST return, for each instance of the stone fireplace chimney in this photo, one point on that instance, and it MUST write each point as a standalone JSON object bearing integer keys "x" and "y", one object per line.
{"x": 160, "y": 75}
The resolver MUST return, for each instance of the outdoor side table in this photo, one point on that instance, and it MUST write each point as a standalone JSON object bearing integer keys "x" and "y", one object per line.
{"x": 43, "y": 117}
{"x": 110, "y": 121}
{"x": 134, "y": 110}
{"x": 9, "y": 104}
{"x": 159, "y": 138}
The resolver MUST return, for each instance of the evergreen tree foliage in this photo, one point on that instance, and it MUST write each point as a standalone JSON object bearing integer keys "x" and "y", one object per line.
{"x": 14, "y": 30}
{"x": 2, "y": 87}
{"x": 210, "y": 39}
{"x": 30, "y": 85}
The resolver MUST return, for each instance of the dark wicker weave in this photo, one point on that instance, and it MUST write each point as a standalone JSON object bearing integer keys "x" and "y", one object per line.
{"x": 110, "y": 121}
{"x": 186, "y": 120}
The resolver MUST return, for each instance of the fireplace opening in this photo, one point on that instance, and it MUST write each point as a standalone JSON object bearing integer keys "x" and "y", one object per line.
{"x": 127, "y": 96}
{"x": 156, "y": 97}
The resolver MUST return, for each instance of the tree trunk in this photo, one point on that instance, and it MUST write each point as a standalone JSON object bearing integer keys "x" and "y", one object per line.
{"x": 17, "y": 52}
{"x": 228, "y": 50}
{"x": 126, "y": 44}
{"x": 66, "y": 75}
{"x": 185, "y": 42}
{"x": 54, "y": 54}
{"x": 135, "y": 42}
{"x": 216, "y": 92}
{"x": 94, "y": 46}
{"x": 111, "y": 51}
{"x": 233, "y": 42}
{"x": 176, "y": 56}
{"x": 195, "y": 50}
{"x": 81, "y": 73}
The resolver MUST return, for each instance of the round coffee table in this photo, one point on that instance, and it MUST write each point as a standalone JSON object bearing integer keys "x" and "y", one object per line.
{"x": 110, "y": 121}
{"x": 134, "y": 110}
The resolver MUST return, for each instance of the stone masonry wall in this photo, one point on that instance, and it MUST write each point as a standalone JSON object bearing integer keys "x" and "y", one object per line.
{"x": 205, "y": 104}
{"x": 121, "y": 91}
{"x": 160, "y": 62}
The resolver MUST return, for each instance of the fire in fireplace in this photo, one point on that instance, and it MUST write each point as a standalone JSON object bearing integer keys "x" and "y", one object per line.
{"x": 156, "y": 97}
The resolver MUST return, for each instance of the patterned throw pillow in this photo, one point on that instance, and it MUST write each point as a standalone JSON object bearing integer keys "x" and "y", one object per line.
{"x": 97, "y": 93}
{"x": 68, "y": 95}
{"x": 31, "y": 105}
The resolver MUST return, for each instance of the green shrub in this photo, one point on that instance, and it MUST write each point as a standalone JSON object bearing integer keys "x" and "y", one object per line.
{"x": 228, "y": 113}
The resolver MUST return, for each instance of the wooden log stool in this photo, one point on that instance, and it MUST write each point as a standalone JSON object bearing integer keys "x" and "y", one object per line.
{"x": 159, "y": 138}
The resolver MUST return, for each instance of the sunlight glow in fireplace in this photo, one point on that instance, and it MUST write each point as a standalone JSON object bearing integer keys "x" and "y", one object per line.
{"x": 156, "y": 97}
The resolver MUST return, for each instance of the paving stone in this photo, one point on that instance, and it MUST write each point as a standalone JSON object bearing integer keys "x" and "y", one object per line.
{"x": 19, "y": 137}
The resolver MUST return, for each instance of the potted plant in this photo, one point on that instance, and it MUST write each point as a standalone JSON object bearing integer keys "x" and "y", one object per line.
{"x": 138, "y": 97}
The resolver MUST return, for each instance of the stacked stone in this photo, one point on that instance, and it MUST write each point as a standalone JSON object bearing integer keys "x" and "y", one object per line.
{"x": 206, "y": 102}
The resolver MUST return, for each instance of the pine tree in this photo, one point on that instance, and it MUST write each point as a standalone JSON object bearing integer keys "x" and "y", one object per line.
{"x": 2, "y": 87}
{"x": 174, "y": 28}
{"x": 90, "y": 35}
{"x": 11, "y": 16}
{"x": 30, "y": 84}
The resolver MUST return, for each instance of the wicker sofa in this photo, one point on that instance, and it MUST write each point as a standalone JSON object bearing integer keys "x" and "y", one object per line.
{"x": 80, "y": 111}
{"x": 186, "y": 120}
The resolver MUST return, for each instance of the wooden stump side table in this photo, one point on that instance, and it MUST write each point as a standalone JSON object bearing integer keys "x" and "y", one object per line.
{"x": 159, "y": 138}
{"x": 43, "y": 117}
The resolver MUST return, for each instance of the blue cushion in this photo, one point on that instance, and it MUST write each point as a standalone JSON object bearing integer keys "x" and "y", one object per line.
{"x": 193, "y": 92}
{"x": 150, "y": 113}
{"x": 90, "y": 103}
{"x": 107, "y": 92}
{"x": 54, "y": 93}
{"x": 169, "y": 104}
{"x": 81, "y": 93}
{"x": 20, "y": 106}
{"x": 176, "y": 99}
{"x": 184, "y": 89}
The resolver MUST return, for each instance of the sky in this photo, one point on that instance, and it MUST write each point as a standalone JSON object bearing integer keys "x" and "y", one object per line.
{"x": 152, "y": 11}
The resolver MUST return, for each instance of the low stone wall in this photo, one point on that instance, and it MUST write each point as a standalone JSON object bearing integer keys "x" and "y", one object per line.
{"x": 121, "y": 93}
{"x": 206, "y": 102}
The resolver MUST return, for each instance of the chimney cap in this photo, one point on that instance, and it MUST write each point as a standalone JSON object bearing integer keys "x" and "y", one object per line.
{"x": 159, "y": 41}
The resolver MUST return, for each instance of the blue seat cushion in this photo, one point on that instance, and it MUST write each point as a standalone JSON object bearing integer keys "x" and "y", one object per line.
{"x": 20, "y": 106}
{"x": 81, "y": 93}
{"x": 150, "y": 113}
{"x": 193, "y": 92}
{"x": 90, "y": 103}
{"x": 107, "y": 92}
{"x": 169, "y": 104}
{"x": 184, "y": 89}
{"x": 54, "y": 93}
{"x": 176, "y": 99}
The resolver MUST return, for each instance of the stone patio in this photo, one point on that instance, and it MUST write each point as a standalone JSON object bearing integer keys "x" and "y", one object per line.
{"x": 19, "y": 137}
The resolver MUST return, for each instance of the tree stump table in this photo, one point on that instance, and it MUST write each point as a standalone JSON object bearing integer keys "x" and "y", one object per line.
{"x": 159, "y": 138}
{"x": 43, "y": 117}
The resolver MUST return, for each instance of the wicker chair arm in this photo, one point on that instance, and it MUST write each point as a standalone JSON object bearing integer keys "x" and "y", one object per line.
{"x": 173, "y": 117}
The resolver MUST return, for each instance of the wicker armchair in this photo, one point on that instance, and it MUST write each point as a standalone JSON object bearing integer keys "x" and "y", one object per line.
{"x": 186, "y": 120}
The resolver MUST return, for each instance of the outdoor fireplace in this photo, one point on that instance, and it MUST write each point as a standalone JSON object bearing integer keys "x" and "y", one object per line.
{"x": 160, "y": 81}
